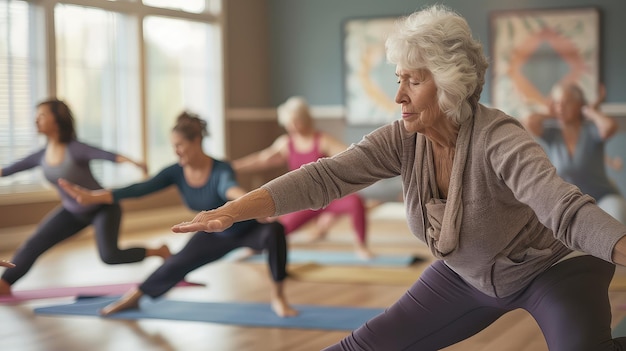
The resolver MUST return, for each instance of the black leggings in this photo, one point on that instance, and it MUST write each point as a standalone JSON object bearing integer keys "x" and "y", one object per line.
{"x": 569, "y": 301}
{"x": 61, "y": 224}
{"x": 204, "y": 248}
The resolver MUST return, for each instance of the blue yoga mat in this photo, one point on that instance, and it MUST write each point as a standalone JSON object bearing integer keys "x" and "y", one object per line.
{"x": 238, "y": 313}
{"x": 340, "y": 258}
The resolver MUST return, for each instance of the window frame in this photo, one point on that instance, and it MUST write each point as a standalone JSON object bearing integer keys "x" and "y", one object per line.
{"x": 139, "y": 11}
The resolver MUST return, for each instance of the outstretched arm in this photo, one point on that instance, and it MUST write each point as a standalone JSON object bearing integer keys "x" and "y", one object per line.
{"x": 331, "y": 146}
{"x": 271, "y": 157}
{"x": 28, "y": 162}
{"x": 139, "y": 164}
{"x": 253, "y": 205}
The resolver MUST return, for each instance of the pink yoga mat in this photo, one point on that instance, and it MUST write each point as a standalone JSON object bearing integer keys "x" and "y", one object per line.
{"x": 71, "y": 291}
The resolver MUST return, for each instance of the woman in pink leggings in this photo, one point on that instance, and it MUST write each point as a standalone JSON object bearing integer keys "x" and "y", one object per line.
{"x": 301, "y": 145}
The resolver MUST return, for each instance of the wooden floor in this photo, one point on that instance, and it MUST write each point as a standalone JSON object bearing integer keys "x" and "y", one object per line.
{"x": 75, "y": 262}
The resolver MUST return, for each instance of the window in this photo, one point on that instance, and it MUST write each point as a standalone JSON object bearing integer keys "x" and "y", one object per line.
{"x": 181, "y": 75}
{"x": 98, "y": 77}
{"x": 22, "y": 84}
{"x": 92, "y": 59}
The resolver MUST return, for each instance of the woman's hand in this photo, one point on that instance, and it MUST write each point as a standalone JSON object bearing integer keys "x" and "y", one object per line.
{"x": 206, "y": 221}
{"x": 143, "y": 166}
{"x": 607, "y": 125}
{"x": 600, "y": 99}
{"x": 5, "y": 263}
{"x": 139, "y": 164}
{"x": 255, "y": 204}
{"x": 85, "y": 196}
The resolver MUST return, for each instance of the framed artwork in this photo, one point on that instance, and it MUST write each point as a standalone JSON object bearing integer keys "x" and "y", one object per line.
{"x": 369, "y": 80}
{"x": 532, "y": 50}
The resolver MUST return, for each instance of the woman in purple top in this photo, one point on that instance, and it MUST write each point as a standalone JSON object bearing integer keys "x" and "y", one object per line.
{"x": 66, "y": 157}
{"x": 506, "y": 231}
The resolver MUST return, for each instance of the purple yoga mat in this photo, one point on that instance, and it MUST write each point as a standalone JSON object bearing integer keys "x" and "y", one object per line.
{"x": 72, "y": 291}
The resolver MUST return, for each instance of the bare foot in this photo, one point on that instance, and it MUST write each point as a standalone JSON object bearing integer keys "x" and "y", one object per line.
{"x": 130, "y": 301}
{"x": 5, "y": 288}
{"x": 282, "y": 308}
{"x": 364, "y": 253}
{"x": 163, "y": 252}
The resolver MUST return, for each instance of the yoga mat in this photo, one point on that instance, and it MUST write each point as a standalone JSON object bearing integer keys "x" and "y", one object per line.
{"x": 237, "y": 313}
{"x": 381, "y": 275}
{"x": 620, "y": 329}
{"x": 340, "y": 258}
{"x": 73, "y": 291}
{"x": 355, "y": 274}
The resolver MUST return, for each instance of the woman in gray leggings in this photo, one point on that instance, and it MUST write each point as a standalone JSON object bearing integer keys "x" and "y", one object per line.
{"x": 66, "y": 157}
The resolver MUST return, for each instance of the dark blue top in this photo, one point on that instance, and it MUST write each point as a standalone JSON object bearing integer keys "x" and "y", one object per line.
{"x": 585, "y": 168}
{"x": 75, "y": 168}
{"x": 209, "y": 196}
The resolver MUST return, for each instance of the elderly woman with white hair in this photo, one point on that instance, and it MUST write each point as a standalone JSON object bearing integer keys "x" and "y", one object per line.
{"x": 479, "y": 191}
{"x": 575, "y": 143}
{"x": 303, "y": 144}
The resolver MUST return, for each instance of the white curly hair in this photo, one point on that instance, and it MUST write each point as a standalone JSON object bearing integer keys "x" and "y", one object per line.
{"x": 439, "y": 40}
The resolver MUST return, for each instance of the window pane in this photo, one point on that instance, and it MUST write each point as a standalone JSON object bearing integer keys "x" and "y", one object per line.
{"x": 98, "y": 77}
{"x": 183, "y": 72}
{"x": 22, "y": 85}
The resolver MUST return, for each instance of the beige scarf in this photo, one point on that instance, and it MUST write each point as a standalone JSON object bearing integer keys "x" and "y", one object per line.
{"x": 444, "y": 216}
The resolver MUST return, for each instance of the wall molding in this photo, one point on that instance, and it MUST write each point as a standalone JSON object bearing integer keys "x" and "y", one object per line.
{"x": 269, "y": 113}
{"x": 251, "y": 114}
{"x": 614, "y": 109}
{"x": 338, "y": 112}
{"x": 29, "y": 197}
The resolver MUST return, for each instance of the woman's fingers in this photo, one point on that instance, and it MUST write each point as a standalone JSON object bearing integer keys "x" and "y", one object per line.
{"x": 5, "y": 263}
{"x": 78, "y": 193}
{"x": 72, "y": 189}
{"x": 209, "y": 226}
{"x": 187, "y": 227}
{"x": 206, "y": 221}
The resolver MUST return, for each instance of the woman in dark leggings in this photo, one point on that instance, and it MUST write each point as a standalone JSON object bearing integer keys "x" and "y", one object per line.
{"x": 506, "y": 230}
{"x": 204, "y": 183}
{"x": 66, "y": 157}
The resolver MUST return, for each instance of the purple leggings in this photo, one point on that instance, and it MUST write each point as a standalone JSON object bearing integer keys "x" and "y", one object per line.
{"x": 351, "y": 204}
{"x": 569, "y": 301}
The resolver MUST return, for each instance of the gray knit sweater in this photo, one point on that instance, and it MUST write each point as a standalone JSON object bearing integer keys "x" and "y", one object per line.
{"x": 519, "y": 217}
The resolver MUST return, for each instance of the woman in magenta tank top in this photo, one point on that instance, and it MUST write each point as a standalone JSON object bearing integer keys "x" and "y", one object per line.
{"x": 301, "y": 145}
